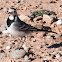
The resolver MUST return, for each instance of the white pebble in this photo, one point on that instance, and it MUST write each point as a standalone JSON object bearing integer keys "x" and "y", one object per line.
{"x": 2, "y": 28}
{"x": 8, "y": 47}
{"x": 22, "y": 0}
{"x": 4, "y": 9}
{"x": 57, "y": 56}
{"x": 48, "y": 36}
{"x": 26, "y": 59}
{"x": 25, "y": 47}
{"x": 59, "y": 22}
{"x": 45, "y": 59}
{"x": 2, "y": 55}
{"x": 53, "y": 53}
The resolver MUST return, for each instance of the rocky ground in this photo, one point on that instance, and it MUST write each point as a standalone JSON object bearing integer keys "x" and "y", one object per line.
{"x": 40, "y": 46}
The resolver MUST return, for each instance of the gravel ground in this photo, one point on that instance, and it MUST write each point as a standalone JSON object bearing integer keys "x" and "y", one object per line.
{"x": 38, "y": 47}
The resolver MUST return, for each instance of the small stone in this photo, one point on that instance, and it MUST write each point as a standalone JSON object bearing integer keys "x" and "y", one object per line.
{"x": 2, "y": 28}
{"x": 57, "y": 56}
{"x": 24, "y": 8}
{"x": 4, "y": 9}
{"x": 22, "y": 1}
{"x": 8, "y": 47}
{"x": 24, "y": 17}
{"x": 48, "y": 36}
{"x": 17, "y": 53}
{"x": 53, "y": 53}
{"x": 2, "y": 55}
{"x": 40, "y": 34}
{"x": 25, "y": 47}
{"x": 11, "y": 1}
{"x": 59, "y": 22}
{"x": 47, "y": 19}
{"x": 45, "y": 59}
{"x": 10, "y": 35}
{"x": 44, "y": 43}
{"x": 26, "y": 59}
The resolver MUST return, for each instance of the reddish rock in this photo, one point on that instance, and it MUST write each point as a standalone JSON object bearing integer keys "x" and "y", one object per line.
{"x": 40, "y": 34}
{"x": 48, "y": 19}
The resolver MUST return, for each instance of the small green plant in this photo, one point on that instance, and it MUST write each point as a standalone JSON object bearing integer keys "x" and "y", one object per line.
{"x": 19, "y": 61}
{"x": 41, "y": 12}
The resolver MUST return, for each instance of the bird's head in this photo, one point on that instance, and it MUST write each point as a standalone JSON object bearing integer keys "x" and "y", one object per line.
{"x": 12, "y": 14}
{"x": 12, "y": 11}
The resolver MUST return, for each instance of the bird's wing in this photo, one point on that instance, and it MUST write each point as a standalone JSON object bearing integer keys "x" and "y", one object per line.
{"x": 22, "y": 26}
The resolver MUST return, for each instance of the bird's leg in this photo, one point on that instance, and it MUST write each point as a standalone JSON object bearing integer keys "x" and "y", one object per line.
{"x": 21, "y": 42}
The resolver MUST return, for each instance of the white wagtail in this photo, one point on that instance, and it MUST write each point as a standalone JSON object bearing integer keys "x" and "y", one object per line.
{"x": 15, "y": 26}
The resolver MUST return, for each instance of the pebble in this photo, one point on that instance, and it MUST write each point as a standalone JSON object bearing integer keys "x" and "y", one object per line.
{"x": 48, "y": 36}
{"x": 26, "y": 59}
{"x": 57, "y": 56}
{"x": 2, "y": 55}
{"x": 4, "y": 9}
{"x": 17, "y": 53}
{"x": 22, "y": 1}
{"x": 53, "y": 53}
{"x": 45, "y": 59}
{"x": 40, "y": 34}
{"x": 8, "y": 47}
{"x": 59, "y": 22}
{"x": 11, "y": 1}
{"x": 44, "y": 43}
{"x": 2, "y": 28}
{"x": 24, "y": 17}
{"x": 48, "y": 19}
{"x": 25, "y": 47}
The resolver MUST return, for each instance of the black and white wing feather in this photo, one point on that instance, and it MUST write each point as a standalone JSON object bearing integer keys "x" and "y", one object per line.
{"x": 22, "y": 26}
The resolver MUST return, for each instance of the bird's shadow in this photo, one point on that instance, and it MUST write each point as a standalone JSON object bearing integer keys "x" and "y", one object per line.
{"x": 55, "y": 45}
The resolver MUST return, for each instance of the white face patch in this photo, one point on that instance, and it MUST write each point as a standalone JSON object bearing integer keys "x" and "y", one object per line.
{"x": 10, "y": 10}
{"x": 11, "y": 17}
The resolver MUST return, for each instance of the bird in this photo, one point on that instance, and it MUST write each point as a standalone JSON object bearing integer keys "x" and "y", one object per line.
{"x": 17, "y": 27}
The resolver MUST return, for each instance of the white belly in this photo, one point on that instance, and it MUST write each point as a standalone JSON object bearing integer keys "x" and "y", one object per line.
{"x": 14, "y": 32}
